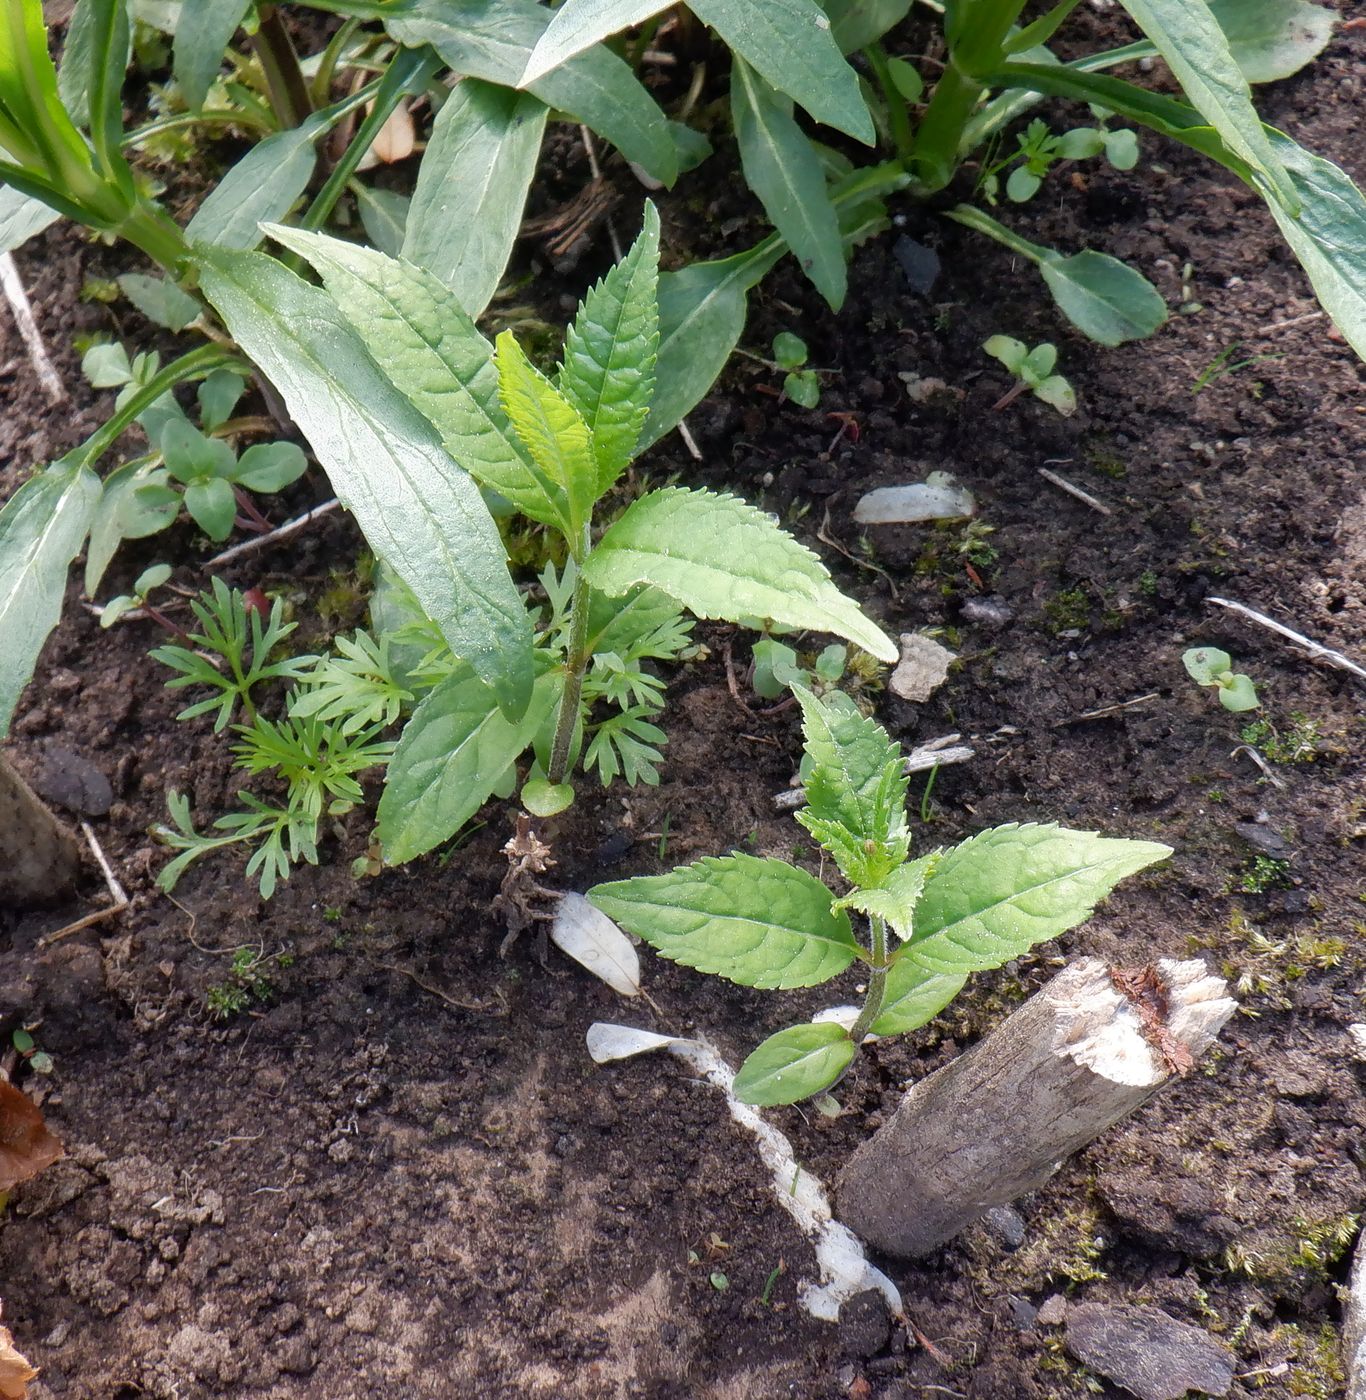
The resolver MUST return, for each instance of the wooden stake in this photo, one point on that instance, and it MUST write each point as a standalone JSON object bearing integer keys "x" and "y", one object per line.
{"x": 1354, "y": 1324}
{"x": 39, "y": 857}
{"x": 1081, "y": 1054}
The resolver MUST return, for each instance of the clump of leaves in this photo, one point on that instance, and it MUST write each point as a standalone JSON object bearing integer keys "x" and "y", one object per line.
{"x": 1033, "y": 369}
{"x": 1039, "y": 150}
{"x": 1208, "y": 666}
{"x": 927, "y": 923}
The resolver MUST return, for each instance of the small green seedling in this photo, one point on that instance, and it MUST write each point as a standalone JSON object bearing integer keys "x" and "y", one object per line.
{"x": 1040, "y": 150}
{"x": 1211, "y": 667}
{"x": 39, "y": 1061}
{"x": 762, "y": 922}
{"x": 1034, "y": 371}
{"x": 777, "y": 668}
{"x": 800, "y": 384}
{"x": 145, "y": 584}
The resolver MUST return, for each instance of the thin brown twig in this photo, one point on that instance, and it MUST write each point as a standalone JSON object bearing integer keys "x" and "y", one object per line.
{"x": 290, "y": 527}
{"x": 117, "y": 894}
{"x": 732, "y": 683}
{"x": 1109, "y": 709}
{"x": 1085, "y": 497}
{"x": 825, "y": 537}
{"x": 480, "y": 1007}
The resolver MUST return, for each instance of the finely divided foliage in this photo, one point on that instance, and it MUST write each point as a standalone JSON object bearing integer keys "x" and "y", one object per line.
{"x": 765, "y": 923}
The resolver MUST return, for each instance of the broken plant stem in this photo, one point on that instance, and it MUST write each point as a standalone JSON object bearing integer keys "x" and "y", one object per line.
{"x": 877, "y": 982}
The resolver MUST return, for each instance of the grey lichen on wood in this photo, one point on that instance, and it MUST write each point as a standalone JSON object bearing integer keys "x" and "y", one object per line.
{"x": 1354, "y": 1324}
{"x": 39, "y": 856}
{"x": 1077, "y": 1057}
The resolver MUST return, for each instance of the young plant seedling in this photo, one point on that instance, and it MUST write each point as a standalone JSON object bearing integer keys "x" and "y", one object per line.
{"x": 800, "y": 384}
{"x": 1033, "y": 369}
{"x": 1209, "y": 666}
{"x": 146, "y": 583}
{"x": 926, "y": 923}
{"x": 1040, "y": 150}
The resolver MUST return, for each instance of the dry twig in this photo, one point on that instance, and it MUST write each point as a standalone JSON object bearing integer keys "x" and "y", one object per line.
{"x": 1085, "y": 497}
{"x": 1316, "y": 650}
{"x": 117, "y": 894}
{"x": 290, "y": 527}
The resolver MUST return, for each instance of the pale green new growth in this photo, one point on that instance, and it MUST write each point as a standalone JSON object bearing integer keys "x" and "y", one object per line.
{"x": 765, "y": 923}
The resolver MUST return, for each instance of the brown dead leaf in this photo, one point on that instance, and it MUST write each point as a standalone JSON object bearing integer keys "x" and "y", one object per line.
{"x": 396, "y": 137}
{"x": 15, "y": 1372}
{"x": 26, "y": 1144}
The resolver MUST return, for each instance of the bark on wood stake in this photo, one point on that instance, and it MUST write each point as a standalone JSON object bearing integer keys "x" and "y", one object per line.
{"x": 39, "y": 857}
{"x": 1354, "y": 1324}
{"x": 1079, "y": 1055}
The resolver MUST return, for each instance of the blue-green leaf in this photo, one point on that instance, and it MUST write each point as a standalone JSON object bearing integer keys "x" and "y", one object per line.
{"x": 579, "y": 24}
{"x": 198, "y": 51}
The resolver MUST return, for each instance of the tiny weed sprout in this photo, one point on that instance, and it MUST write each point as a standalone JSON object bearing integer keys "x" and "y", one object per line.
{"x": 927, "y": 923}
{"x": 146, "y": 583}
{"x": 1209, "y": 666}
{"x": 800, "y": 384}
{"x": 1033, "y": 371}
{"x": 1040, "y": 150}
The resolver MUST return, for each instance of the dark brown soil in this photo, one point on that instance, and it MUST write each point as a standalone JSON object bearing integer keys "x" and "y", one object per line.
{"x": 400, "y": 1172}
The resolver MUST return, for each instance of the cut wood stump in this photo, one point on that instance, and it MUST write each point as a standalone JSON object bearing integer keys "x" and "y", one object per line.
{"x": 39, "y": 856}
{"x": 1084, "y": 1052}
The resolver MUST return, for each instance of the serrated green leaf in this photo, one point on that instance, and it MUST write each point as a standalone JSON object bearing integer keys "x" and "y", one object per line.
{"x": 782, "y": 168}
{"x": 1189, "y": 38}
{"x": 856, "y": 776}
{"x": 608, "y": 372}
{"x": 997, "y": 894}
{"x": 421, "y": 338}
{"x": 494, "y": 39}
{"x": 1272, "y": 39}
{"x": 894, "y": 900}
{"x": 913, "y": 996}
{"x": 578, "y": 25}
{"x": 472, "y": 187}
{"x": 794, "y": 1064}
{"x": 759, "y": 922}
{"x": 454, "y": 753}
{"x": 722, "y": 558}
{"x": 199, "y": 44}
{"x": 789, "y": 43}
{"x": 421, "y": 514}
{"x": 551, "y": 430}
{"x": 1105, "y": 299}
{"x": 42, "y": 528}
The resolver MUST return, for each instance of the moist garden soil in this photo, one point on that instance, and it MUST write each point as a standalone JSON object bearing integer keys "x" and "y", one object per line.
{"x": 398, "y": 1172}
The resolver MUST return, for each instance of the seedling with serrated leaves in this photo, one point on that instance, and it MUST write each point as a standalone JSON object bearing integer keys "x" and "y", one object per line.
{"x": 1033, "y": 370}
{"x": 930, "y": 922}
{"x": 1039, "y": 150}
{"x": 553, "y": 447}
{"x": 1209, "y": 666}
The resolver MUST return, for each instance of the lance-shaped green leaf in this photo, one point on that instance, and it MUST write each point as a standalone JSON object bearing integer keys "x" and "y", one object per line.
{"x": 494, "y": 39}
{"x": 1189, "y": 38}
{"x": 383, "y": 215}
{"x": 781, "y": 167}
{"x": 420, "y": 513}
{"x": 22, "y": 216}
{"x": 998, "y": 894}
{"x": 723, "y": 558}
{"x": 455, "y": 751}
{"x": 788, "y": 42}
{"x": 1329, "y": 237}
{"x": 579, "y": 24}
{"x": 552, "y": 431}
{"x": 913, "y": 997}
{"x": 1271, "y": 39}
{"x": 42, "y": 528}
{"x": 794, "y": 1064}
{"x": 608, "y": 372}
{"x": 419, "y": 335}
{"x": 857, "y": 23}
{"x": 759, "y": 922}
{"x": 472, "y": 186}
{"x": 198, "y": 50}
{"x": 894, "y": 900}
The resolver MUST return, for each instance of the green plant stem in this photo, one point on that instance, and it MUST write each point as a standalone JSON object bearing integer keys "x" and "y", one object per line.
{"x": 321, "y": 90}
{"x": 877, "y": 982}
{"x": 576, "y": 663}
{"x": 195, "y": 365}
{"x": 284, "y": 78}
{"x": 159, "y": 236}
{"x": 903, "y": 138}
{"x": 252, "y": 121}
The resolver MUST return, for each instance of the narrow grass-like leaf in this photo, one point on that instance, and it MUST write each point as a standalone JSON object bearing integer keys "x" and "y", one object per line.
{"x": 608, "y": 372}
{"x": 455, "y": 751}
{"x": 42, "y": 528}
{"x": 759, "y": 922}
{"x": 197, "y": 53}
{"x": 794, "y": 1064}
{"x": 494, "y": 39}
{"x": 913, "y": 997}
{"x": 781, "y": 167}
{"x": 472, "y": 187}
{"x": 997, "y": 894}
{"x": 419, "y": 335}
{"x": 788, "y": 42}
{"x": 723, "y": 558}
{"x": 420, "y": 513}
{"x": 552, "y": 431}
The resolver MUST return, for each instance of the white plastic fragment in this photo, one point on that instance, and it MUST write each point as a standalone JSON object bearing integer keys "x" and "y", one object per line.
{"x": 923, "y": 668}
{"x": 589, "y": 937}
{"x": 938, "y": 497}
{"x": 844, "y": 1267}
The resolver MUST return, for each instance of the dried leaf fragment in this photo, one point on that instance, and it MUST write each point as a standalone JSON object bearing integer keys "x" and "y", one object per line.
{"x": 15, "y": 1372}
{"x": 26, "y": 1144}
